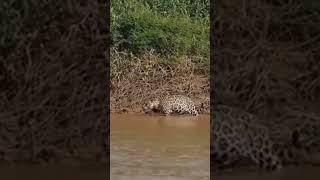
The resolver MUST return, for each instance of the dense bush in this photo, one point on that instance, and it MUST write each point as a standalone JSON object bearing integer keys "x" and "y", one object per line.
{"x": 274, "y": 65}
{"x": 172, "y": 28}
{"x": 50, "y": 63}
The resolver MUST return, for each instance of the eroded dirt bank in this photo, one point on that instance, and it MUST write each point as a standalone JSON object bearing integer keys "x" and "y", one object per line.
{"x": 140, "y": 79}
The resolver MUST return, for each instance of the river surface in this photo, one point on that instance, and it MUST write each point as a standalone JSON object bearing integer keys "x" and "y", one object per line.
{"x": 158, "y": 147}
{"x": 155, "y": 148}
{"x": 176, "y": 148}
{"x": 53, "y": 172}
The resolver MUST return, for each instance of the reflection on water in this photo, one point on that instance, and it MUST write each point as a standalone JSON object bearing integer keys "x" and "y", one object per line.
{"x": 159, "y": 147}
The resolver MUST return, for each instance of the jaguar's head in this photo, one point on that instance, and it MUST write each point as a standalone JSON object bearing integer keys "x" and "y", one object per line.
{"x": 151, "y": 105}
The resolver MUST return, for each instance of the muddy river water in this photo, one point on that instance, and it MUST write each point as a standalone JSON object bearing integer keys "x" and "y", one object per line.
{"x": 175, "y": 148}
{"x": 155, "y": 148}
{"x": 158, "y": 147}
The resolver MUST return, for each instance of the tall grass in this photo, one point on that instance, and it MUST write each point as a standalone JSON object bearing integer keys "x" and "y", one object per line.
{"x": 162, "y": 46}
{"x": 172, "y": 28}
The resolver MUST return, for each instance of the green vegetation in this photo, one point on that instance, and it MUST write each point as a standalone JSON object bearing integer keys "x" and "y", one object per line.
{"x": 174, "y": 29}
{"x": 162, "y": 46}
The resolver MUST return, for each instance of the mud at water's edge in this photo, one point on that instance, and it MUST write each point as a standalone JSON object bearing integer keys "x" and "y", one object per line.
{"x": 139, "y": 111}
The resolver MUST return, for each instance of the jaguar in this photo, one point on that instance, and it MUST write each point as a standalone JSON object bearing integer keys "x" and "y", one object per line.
{"x": 239, "y": 136}
{"x": 172, "y": 104}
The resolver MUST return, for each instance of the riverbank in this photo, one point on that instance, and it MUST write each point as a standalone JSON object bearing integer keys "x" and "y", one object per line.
{"x": 134, "y": 80}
